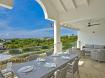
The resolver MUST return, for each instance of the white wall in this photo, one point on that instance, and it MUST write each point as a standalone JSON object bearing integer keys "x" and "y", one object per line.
{"x": 86, "y": 35}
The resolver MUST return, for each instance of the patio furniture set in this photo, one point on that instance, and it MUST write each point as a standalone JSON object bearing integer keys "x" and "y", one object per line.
{"x": 52, "y": 66}
{"x": 97, "y": 52}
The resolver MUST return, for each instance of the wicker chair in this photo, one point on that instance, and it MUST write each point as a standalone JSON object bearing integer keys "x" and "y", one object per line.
{"x": 32, "y": 57}
{"x": 49, "y": 53}
{"x": 8, "y": 71}
{"x": 61, "y": 73}
{"x": 43, "y": 55}
{"x": 98, "y": 55}
{"x": 1, "y": 75}
{"x": 73, "y": 68}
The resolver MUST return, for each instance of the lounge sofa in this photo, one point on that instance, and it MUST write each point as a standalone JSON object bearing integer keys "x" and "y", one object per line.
{"x": 97, "y": 52}
{"x": 90, "y": 47}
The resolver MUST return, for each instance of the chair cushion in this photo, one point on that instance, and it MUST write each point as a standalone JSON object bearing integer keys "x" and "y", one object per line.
{"x": 87, "y": 49}
{"x": 99, "y": 46}
{"x": 98, "y": 54}
{"x": 89, "y": 46}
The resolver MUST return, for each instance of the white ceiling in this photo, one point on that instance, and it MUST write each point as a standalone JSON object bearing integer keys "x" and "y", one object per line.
{"x": 83, "y": 23}
{"x": 75, "y": 13}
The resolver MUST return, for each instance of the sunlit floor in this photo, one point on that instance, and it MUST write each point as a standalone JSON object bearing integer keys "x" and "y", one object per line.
{"x": 91, "y": 68}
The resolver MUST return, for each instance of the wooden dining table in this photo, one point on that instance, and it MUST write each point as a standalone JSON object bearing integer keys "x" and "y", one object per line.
{"x": 40, "y": 70}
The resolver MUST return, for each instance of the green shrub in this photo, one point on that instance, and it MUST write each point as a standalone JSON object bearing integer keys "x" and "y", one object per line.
{"x": 15, "y": 51}
{"x": 23, "y": 55}
{"x": 45, "y": 47}
{"x": 28, "y": 49}
{"x": 2, "y": 51}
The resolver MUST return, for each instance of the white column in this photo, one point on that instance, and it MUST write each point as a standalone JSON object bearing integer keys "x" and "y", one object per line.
{"x": 57, "y": 38}
{"x": 78, "y": 43}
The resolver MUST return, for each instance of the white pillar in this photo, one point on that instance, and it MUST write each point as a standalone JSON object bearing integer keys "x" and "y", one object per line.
{"x": 57, "y": 38}
{"x": 78, "y": 44}
{"x": 78, "y": 41}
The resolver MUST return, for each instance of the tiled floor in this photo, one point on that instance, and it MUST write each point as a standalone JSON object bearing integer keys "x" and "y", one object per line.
{"x": 91, "y": 68}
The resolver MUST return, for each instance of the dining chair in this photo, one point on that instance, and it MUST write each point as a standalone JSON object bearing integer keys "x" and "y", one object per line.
{"x": 32, "y": 57}
{"x": 61, "y": 73}
{"x": 49, "y": 53}
{"x": 43, "y": 55}
{"x": 9, "y": 66}
{"x": 1, "y": 75}
{"x": 68, "y": 50}
{"x": 73, "y": 68}
{"x": 8, "y": 71}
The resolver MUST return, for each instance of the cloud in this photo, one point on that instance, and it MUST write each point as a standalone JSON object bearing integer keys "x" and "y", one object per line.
{"x": 46, "y": 32}
{"x": 4, "y": 25}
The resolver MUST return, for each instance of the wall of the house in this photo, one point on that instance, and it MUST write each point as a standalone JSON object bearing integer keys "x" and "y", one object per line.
{"x": 92, "y": 35}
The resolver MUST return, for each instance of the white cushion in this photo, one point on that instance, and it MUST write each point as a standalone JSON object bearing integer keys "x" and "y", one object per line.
{"x": 89, "y": 46}
{"x": 99, "y": 46}
{"x": 4, "y": 71}
{"x": 87, "y": 49}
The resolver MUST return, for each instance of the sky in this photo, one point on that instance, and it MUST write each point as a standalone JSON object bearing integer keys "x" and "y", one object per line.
{"x": 26, "y": 20}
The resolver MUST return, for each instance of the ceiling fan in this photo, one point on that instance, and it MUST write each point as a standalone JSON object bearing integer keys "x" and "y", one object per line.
{"x": 92, "y": 24}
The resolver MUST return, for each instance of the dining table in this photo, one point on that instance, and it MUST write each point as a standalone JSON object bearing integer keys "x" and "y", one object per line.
{"x": 45, "y": 68}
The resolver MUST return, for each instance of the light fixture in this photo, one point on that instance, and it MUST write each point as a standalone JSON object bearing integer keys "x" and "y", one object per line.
{"x": 93, "y": 32}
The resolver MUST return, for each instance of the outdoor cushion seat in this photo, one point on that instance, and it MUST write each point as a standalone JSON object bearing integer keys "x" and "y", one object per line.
{"x": 89, "y": 47}
{"x": 98, "y": 54}
{"x": 99, "y": 46}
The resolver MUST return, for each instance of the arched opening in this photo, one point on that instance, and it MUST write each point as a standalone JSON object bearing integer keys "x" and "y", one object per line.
{"x": 22, "y": 21}
{"x": 18, "y": 25}
{"x": 43, "y": 7}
